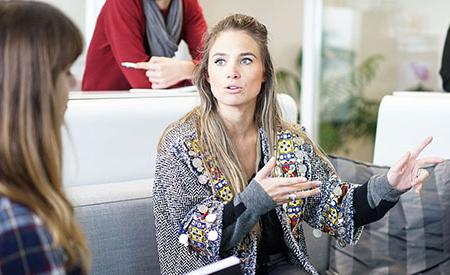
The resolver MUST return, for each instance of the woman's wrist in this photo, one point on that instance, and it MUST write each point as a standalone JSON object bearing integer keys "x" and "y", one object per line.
{"x": 188, "y": 69}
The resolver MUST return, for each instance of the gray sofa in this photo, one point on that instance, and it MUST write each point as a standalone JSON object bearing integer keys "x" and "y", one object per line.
{"x": 119, "y": 226}
{"x": 118, "y": 221}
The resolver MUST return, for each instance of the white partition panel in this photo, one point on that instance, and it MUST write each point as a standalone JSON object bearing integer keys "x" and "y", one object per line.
{"x": 405, "y": 120}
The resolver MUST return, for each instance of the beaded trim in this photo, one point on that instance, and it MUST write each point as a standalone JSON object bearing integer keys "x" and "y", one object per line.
{"x": 292, "y": 162}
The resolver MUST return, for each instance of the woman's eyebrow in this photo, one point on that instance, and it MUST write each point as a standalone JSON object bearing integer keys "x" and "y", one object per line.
{"x": 219, "y": 54}
{"x": 241, "y": 54}
{"x": 248, "y": 53}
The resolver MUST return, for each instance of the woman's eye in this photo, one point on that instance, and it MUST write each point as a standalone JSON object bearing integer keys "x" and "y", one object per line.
{"x": 246, "y": 61}
{"x": 219, "y": 61}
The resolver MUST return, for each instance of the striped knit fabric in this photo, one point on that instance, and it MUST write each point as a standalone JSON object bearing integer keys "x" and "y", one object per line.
{"x": 413, "y": 238}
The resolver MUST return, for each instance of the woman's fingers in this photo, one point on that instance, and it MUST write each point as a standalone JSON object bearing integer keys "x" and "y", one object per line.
{"x": 141, "y": 65}
{"x": 152, "y": 75}
{"x": 422, "y": 146}
{"x": 299, "y": 186}
{"x": 429, "y": 161}
{"x": 401, "y": 163}
{"x": 308, "y": 193}
{"x": 421, "y": 176}
{"x": 287, "y": 197}
{"x": 266, "y": 170}
{"x": 295, "y": 183}
{"x": 281, "y": 189}
{"x": 301, "y": 190}
{"x": 289, "y": 181}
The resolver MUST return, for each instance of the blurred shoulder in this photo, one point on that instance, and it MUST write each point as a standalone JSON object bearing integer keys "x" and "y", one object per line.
{"x": 26, "y": 245}
{"x": 14, "y": 216}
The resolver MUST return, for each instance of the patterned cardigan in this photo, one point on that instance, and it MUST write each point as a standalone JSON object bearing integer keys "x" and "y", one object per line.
{"x": 189, "y": 201}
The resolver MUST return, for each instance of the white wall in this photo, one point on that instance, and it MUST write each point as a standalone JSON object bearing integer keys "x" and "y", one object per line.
{"x": 283, "y": 20}
{"x": 75, "y": 10}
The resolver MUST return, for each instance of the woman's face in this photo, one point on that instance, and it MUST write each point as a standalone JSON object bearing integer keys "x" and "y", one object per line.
{"x": 68, "y": 83}
{"x": 235, "y": 69}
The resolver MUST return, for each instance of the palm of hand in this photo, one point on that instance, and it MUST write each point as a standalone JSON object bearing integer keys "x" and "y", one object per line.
{"x": 402, "y": 176}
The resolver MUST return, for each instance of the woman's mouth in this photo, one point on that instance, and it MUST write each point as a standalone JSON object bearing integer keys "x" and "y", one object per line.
{"x": 233, "y": 89}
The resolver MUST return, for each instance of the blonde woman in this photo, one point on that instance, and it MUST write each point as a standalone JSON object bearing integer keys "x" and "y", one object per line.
{"x": 234, "y": 178}
{"x": 38, "y": 231}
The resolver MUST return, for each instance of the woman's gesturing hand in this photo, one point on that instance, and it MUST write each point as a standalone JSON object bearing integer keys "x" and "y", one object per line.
{"x": 281, "y": 190}
{"x": 407, "y": 172}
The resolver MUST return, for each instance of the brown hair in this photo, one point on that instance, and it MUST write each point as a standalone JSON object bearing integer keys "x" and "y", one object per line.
{"x": 38, "y": 44}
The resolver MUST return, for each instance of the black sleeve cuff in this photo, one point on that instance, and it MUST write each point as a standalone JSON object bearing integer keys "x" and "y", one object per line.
{"x": 364, "y": 214}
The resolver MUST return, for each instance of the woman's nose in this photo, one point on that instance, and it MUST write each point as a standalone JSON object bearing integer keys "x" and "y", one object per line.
{"x": 233, "y": 72}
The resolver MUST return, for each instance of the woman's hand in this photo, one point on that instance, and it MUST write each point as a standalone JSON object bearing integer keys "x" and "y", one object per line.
{"x": 407, "y": 172}
{"x": 282, "y": 190}
{"x": 164, "y": 72}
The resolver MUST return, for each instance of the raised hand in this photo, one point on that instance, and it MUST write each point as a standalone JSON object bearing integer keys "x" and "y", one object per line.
{"x": 281, "y": 190}
{"x": 407, "y": 172}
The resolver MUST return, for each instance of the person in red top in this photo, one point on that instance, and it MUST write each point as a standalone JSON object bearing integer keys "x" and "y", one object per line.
{"x": 146, "y": 32}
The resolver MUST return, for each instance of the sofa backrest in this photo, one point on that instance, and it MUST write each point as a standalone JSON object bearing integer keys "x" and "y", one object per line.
{"x": 112, "y": 137}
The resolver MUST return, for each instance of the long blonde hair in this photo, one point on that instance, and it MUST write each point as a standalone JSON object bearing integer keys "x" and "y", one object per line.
{"x": 38, "y": 44}
{"x": 213, "y": 136}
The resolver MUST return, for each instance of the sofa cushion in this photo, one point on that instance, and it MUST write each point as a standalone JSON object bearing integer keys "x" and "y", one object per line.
{"x": 118, "y": 222}
{"x": 414, "y": 236}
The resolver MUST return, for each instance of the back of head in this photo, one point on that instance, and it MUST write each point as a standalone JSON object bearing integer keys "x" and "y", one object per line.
{"x": 38, "y": 44}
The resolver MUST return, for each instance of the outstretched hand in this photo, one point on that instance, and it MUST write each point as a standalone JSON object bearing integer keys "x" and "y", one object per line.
{"x": 407, "y": 172}
{"x": 282, "y": 190}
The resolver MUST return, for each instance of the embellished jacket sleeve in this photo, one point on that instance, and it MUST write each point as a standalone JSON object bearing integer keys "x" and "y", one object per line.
{"x": 332, "y": 211}
{"x": 188, "y": 218}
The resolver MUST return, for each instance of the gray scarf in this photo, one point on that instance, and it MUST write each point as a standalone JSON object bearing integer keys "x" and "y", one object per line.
{"x": 163, "y": 38}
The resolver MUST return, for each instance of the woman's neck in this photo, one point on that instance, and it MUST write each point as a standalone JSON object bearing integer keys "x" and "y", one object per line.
{"x": 241, "y": 126}
{"x": 240, "y": 123}
{"x": 163, "y": 4}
